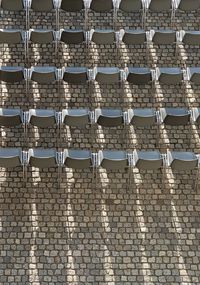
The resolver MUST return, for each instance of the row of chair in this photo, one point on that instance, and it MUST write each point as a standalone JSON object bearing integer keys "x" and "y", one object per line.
{"x": 139, "y": 117}
{"x": 100, "y": 37}
{"x": 102, "y": 75}
{"x": 126, "y": 6}
{"x": 108, "y": 159}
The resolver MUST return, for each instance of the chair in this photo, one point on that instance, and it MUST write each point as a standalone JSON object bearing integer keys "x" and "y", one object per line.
{"x": 109, "y": 117}
{"x": 10, "y": 157}
{"x": 190, "y": 38}
{"x": 196, "y": 115}
{"x": 138, "y": 75}
{"x": 75, "y": 117}
{"x": 106, "y": 75}
{"x": 41, "y": 36}
{"x": 174, "y": 116}
{"x": 181, "y": 161}
{"x": 42, "y": 158}
{"x": 72, "y": 5}
{"x": 193, "y": 75}
{"x": 159, "y": 5}
{"x": 72, "y": 36}
{"x": 162, "y": 37}
{"x": 75, "y": 75}
{"x": 129, "y": 6}
{"x": 77, "y": 159}
{"x": 43, "y": 74}
{"x": 102, "y": 37}
{"x": 10, "y": 117}
{"x": 101, "y": 6}
{"x": 11, "y": 36}
{"x": 187, "y": 6}
{"x": 169, "y": 75}
{"x": 141, "y": 117}
{"x": 147, "y": 160}
{"x": 42, "y": 6}
{"x": 11, "y": 74}
{"x": 113, "y": 159}
{"x": 42, "y": 118}
{"x": 12, "y": 5}
{"x": 132, "y": 37}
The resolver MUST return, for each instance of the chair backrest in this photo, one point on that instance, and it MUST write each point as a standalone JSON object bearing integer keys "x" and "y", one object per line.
{"x": 108, "y": 75}
{"x": 160, "y": 5}
{"x": 142, "y": 117}
{"x": 164, "y": 37}
{"x": 42, "y": 118}
{"x": 10, "y": 157}
{"x": 77, "y": 159}
{"x": 175, "y": 116}
{"x": 191, "y": 38}
{"x": 196, "y": 115}
{"x": 113, "y": 159}
{"x": 10, "y": 117}
{"x": 72, "y": 36}
{"x": 182, "y": 161}
{"x": 170, "y": 75}
{"x": 75, "y": 75}
{"x": 101, "y": 6}
{"x": 134, "y": 37}
{"x": 109, "y": 117}
{"x": 147, "y": 160}
{"x": 75, "y": 117}
{"x": 194, "y": 74}
{"x": 41, "y": 36}
{"x": 103, "y": 37}
{"x": 42, "y": 6}
{"x": 12, "y": 5}
{"x": 43, "y": 74}
{"x": 72, "y": 5}
{"x": 42, "y": 158}
{"x": 139, "y": 75}
{"x": 11, "y": 74}
{"x": 10, "y": 36}
{"x": 191, "y": 5}
{"x": 130, "y": 5}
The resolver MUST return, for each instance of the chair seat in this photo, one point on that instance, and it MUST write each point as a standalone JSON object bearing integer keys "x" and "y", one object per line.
{"x": 130, "y": 5}
{"x": 42, "y": 118}
{"x": 137, "y": 75}
{"x": 11, "y": 74}
{"x": 170, "y": 76}
{"x": 12, "y": 5}
{"x": 42, "y": 6}
{"x": 72, "y": 5}
{"x": 41, "y": 36}
{"x": 10, "y": 117}
{"x": 101, "y": 6}
{"x": 42, "y": 158}
{"x": 113, "y": 160}
{"x": 147, "y": 160}
{"x": 160, "y": 5}
{"x": 10, "y": 36}
{"x": 10, "y": 157}
{"x": 75, "y": 75}
{"x": 191, "y": 38}
{"x": 164, "y": 37}
{"x": 142, "y": 117}
{"x": 75, "y": 117}
{"x": 194, "y": 75}
{"x": 191, "y": 5}
{"x": 182, "y": 160}
{"x": 109, "y": 117}
{"x": 43, "y": 74}
{"x": 175, "y": 116}
{"x": 72, "y": 36}
{"x": 107, "y": 75}
{"x": 134, "y": 37}
{"x": 77, "y": 159}
{"x": 103, "y": 37}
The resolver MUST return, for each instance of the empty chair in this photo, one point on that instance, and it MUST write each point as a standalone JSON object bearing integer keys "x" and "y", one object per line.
{"x": 138, "y": 75}
{"x": 102, "y": 37}
{"x": 113, "y": 159}
{"x": 109, "y": 117}
{"x": 147, "y": 160}
{"x": 180, "y": 160}
{"x": 43, "y": 74}
{"x": 75, "y": 117}
{"x": 159, "y": 5}
{"x": 101, "y": 6}
{"x": 10, "y": 117}
{"x": 12, "y": 5}
{"x": 72, "y": 5}
{"x": 190, "y": 38}
{"x": 75, "y": 75}
{"x": 72, "y": 36}
{"x": 196, "y": 115}
{"x": 41, "y": 36}
{"x": 174, "y": 116}
{"x": 193, "y": 74}
{"x": 169, "y": 75}
{"x": 77, "y": 159}
{"x": 42, "y": 6}
{"x": 162, "y": 37}
{"x": 11, "y": 74}
{"x": 129, "y": 6}
{"x": 186, "y": 6}
{"x": 133, "y": 37}
{"x": 108, "y": 75}
{"x": 10, "y": 36}
{"x": 10, "y": 157}
{"x": 42, "y": 118}
{"x": 141, "y": 117}
{"x": 42, "y": 158}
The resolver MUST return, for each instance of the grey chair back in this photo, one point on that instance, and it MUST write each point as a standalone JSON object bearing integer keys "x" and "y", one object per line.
{"x": 160, "y": 5}
{"x": 164, "y": 37}
{"x": 108, "y": 75}
{"x": 72, "y": 5}
{"x": 142, "y": 117}
{"x": 103, "y": 37}
{"x": 182, "y": 161}
{"x": 109, "y": 117}
{"x": 194, "y": 74}
{"x": 42, "y": 118}
{"x": 147, "y": 160}
{"x": 75, "y": 75}
{"x": 72, "y": 36}
{"x": 41, "y": 36}
{"x": 12, "y": 5}
{"x": 10, "y": 117}
{"x": 11, "y": 74}
{"x": 42, "y": 158}
{"x": 42, "y": 6}
{"x": 170, "y": 75}
{"x": 175, "y": 116}
{"x": 77, "y": 159}
{"x": 10, "y": 36}
{"x": 139, "y": 75}
{"x": 10, "y": 157}
{"x": 134, "y": 37}
{"x": 130, "y": 5}
{"x": 113, "y": 160}
{"x": 43, "y": 74}
{"x": 75, "y": 117}
{"x": 196, "y": 115}
{"x": 191, "y": 38}
{"x": 191, "y": 5}
{"x": 101, "y": 6}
